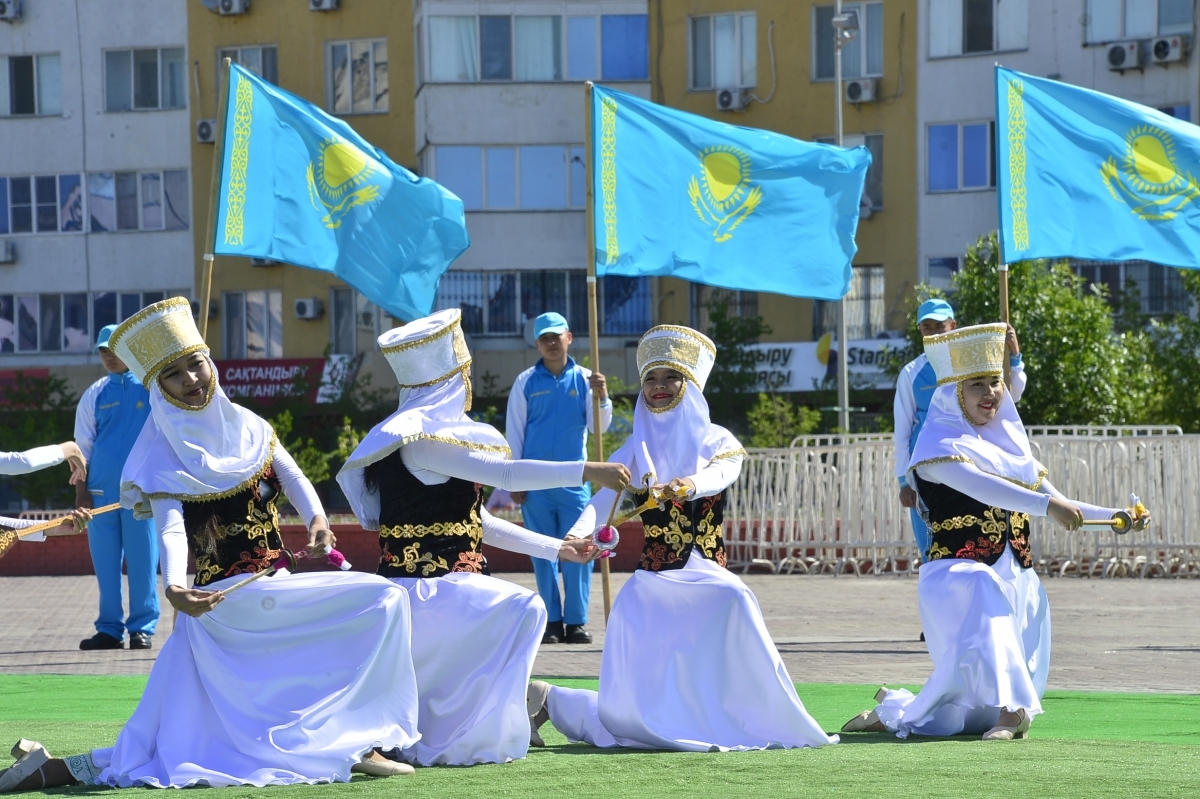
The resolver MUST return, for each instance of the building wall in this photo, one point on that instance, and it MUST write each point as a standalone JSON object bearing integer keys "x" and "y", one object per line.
{"x": 84, "y": 139}
{"x": 803, "y": 107}
{"x": 960, "y": 88}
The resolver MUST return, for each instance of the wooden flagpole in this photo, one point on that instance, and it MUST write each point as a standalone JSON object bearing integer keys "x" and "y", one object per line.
{"x": 1003, "y": 273}
{"x": 593, "y": 310}
{"x": 210, "y": 237}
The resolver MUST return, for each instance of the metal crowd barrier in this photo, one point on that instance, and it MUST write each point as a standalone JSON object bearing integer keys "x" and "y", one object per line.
{"x": 830, "y": 505}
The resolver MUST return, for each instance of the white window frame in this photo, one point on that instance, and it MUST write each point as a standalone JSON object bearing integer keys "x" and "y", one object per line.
{"x": 954, "y": 47}
{"x": 861, "y": 36}
{"x": 245, "y": 354}
{"x": 739, "y": 17}
{"x": 33, "y": 205}
{"x": 239, "y": 48}
{"x": 483, "y": 179}
{"x": 1120, "y": 9}
{"x": 133, "y": 79}
{"x": 37, "y": 60}
{"x": 329, "y": 88}
{"x": 92, "y": 328}
{"x": 141, "y": 228}
{"x": 991, "y": 154}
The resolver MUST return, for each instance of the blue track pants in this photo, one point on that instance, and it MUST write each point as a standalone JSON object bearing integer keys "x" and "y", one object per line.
{"x": 114, "y": 538}
{"x": 552, "y": 512}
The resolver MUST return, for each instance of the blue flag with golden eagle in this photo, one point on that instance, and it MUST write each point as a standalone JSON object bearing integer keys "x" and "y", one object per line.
{"x": 1082, "y": 174}
{"x": 301, "y": 187}
{"x": 683, "y": 196}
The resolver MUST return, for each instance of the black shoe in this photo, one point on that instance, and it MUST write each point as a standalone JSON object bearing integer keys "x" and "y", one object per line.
{"x": 102, "y": 641}
{"x": 554, "y": 633}
{"x": 922, "y": 639}
{"x": 140, "y": 641}
{"x": 576, "y": 634}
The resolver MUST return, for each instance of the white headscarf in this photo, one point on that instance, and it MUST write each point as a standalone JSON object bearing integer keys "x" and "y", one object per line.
{"x": 999, "y": 447}
{"x": 195, "y": 454}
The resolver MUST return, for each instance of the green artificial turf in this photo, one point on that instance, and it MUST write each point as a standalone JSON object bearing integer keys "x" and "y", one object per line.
{"x": 1122, "y": 746}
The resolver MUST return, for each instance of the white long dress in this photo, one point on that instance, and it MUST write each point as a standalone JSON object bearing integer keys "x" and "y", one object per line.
{"x": 291, "y": 679}
{"x": 987, "y": 627}
{"x": 688, "y": 663}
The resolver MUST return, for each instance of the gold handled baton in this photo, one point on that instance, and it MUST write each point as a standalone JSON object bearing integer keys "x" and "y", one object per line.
{"x": 9, "y": 538}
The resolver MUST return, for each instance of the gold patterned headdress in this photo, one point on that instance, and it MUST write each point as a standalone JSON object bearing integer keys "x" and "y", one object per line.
{"x": 967, "y": 353}
{"x": 688, "y": 351}
{"x": 427, "y": 351}
{"x": 155, "y": 336}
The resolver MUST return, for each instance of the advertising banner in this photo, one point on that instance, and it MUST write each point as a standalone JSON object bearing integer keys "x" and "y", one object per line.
{"x": 319, "y": 379}
{"x": 805, "y": 365}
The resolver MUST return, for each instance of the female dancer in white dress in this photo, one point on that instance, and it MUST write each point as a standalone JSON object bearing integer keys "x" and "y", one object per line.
{"x": 417, "y": 479}
{"x": 984, "y": 612}
{"x": 688, "y": 662}
{"x": 290, "y": 679}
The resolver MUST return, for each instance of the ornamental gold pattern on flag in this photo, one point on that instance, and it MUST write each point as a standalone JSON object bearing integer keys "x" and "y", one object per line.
{"x": 340, "y": 180}
{"x": 239, "y": 162}
{"x": 1147, "y": 179}
{"x": 727, "y": 197}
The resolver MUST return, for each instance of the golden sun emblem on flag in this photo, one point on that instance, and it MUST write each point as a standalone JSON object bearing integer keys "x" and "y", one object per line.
{"x": 340, "y": 179}
{"x": 1147, "y": 179}
{"x": 723, "y": 196}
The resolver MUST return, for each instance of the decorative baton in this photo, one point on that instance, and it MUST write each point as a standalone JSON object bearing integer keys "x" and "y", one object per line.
{"x": 1123, "y": 520}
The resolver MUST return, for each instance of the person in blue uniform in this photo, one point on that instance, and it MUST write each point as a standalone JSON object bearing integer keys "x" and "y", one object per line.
{"x": 549, "y": 417}
{"x": 914, "y": 391}
{"x": 108, "y": 420}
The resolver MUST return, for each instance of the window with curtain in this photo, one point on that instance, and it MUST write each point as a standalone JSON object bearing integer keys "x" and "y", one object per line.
{"x": 453, "y": 49}
{"x": 538, "y": 48}
{"x": 149, "y": 200}
{"x": 965, "y": 27}
{"x": 254, "y": 324}
{"x": 30, "y": 85}
{"x": 724, "y": 51}
{"x": 862, "y": 56}
{"x": 145, "y": 79}
{"x": 358, "y": 77}
{"x": 1112, "y": 20}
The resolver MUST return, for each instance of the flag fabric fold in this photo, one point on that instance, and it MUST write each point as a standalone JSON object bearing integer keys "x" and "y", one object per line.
{"x": 302, "y": 187}
{"x": 1083, "y": 174}
{"x": 683, "y": 196}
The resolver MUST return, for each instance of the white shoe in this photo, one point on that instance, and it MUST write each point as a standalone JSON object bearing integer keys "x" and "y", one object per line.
{"x": 29, "y": 764}
{"x": 999, "y": 733}
{"x": 382, "y": 767}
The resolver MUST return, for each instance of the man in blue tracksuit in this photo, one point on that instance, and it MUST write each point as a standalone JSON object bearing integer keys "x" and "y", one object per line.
{"x": 914, "y": 391}
{"x": 108, "y": 420}
{"x": 549, "y": 417}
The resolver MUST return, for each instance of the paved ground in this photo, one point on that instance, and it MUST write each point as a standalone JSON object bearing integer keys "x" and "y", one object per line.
{"x": 1115, "y": 635}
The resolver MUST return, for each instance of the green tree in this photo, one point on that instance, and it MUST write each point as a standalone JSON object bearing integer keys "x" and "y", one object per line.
{"x": 775, "y": 420}
{"x": 35, "y": 411}
{"x": 730, "y": 388}
{"x": 1176, "y": 360}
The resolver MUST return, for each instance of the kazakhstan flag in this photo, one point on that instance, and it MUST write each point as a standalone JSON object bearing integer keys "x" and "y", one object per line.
{"x": 683, "y": 196}
{"x": 301, "y": 187}
{"x": 1085, "y": 175}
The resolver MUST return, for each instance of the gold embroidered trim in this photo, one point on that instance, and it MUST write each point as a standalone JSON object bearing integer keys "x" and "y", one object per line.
{"x": 239, "y": 163}
{"x": 144, "y": 314}
{"x": 959, "y": 522}
{"x": 434, "y": 336}
{"x": 733, "y": 453}
{"x": 963, "y": 459}
{"x": 212, "y": 389}
{"x": 380, "y": 454}
{"x": 1016, "y": 164}
{"x": 472, "y": 530}
{"x": 960, "y": 379}
{"x": 670, "y": 405}
{"x": 266, "y": 465}
{"x": 608, "y": 177}
{"x": 695, "y": 335}
{"x": 944, "y": 459}
{"x": 967, "y": 332}
{"x": 435, "y": 381}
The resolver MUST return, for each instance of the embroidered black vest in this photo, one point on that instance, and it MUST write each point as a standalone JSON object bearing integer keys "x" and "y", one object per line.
{"x": 675, "y": 529}
{"x": 962, "y": 527}
{"x": 427, "y": 531}
{"x": 247, "y": 526}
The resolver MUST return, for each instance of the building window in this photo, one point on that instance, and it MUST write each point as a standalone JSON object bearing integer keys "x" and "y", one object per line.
{"x": 862, "y": 56}
{"x": 1113, "y": 20}
{"x": 262, "y": 61}
{"x": 355, "y": 323}
{"x": 530, "y": 178}
{"x": 145, "y": 80}
{"x": 724, "y": 51}
{"x": 866, "y": 316}
{"x": 500, "y": 303}
{"x": 42, "y": 204}
{"x": 253, "y": 324}
{"x": 155, "y": 200}
{"x": 965, "y": 27}
{"x": 467, "y": 49}
{"x": 873, "y": 186}
{"x": 358, "y": 77}
{"x": 739, "y": 303}
{"x": 30, "y": 85}
{"x": 1183, "y": 111}
{"x": 1159, "y": 289}
{"x": 961, "y": 157}
{"x": 942, "y": 271}
{"x": 66, "y": 322}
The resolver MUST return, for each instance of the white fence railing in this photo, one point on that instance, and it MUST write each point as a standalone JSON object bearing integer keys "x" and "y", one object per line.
{"x": 832, "y": 507}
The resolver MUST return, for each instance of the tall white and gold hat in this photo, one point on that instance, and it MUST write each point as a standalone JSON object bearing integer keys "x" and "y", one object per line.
{"x": 155, "y": 336}
{"x": 428, "y": 350}
{"x": 688, "y": 351}
{"x": 967, "y": 353}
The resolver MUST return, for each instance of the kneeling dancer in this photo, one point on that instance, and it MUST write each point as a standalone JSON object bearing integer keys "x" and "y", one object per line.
{"x": 290, "y": 679}
{"x": 984, "y": 611}
{"x": 688, "y": 663}
{"x": 417, "y": 478}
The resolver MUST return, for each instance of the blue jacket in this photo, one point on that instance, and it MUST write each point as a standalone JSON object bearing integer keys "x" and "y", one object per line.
{"x": 109, "y": 418}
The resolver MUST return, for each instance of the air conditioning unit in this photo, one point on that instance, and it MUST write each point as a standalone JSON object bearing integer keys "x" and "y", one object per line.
{"x": 8, "y": 252}
{"x": 1166, "y": 49}
{"x": 1125, "y": 55}
{"x": 860, "y": 90}
{"x": 323, "y": 5}
{"x": 206, "y": 131}
{"x": 309, "y": 308}
{"x": 10, "y": 10}
{"x": 227, "y": 8}
{"x": 731, "y": 99}
{"x": 263, "y": 262}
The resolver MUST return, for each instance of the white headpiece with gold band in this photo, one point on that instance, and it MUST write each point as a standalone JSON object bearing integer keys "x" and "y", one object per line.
{"x": 967, "y": 353}
{"x": 430, "y": 359}
{"x": 155, "y": 336}
{"x": 187, "y": 453}
{"x": 687, "y": 351}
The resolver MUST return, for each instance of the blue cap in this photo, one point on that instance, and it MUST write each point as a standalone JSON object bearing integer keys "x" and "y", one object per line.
{"x": 549, "y": 323}
{"x": 936, "y": 310}
{"x": 103, "y": 336}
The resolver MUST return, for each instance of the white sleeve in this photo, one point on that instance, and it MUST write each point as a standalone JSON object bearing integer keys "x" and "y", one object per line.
{"x": 606, "y": 409}
{"x": 717, "y": 476}
{"x": 590, "y": 520}
{"x": 904, "y": 410}
{"x": 85, "y": 418}
{"x": 172, "y": 541}
{"x": 506, "y": 535}
{"x": 31, "y": 460}
{"x": 1017, "y": 380}
{"x": 1089, "y": 511}
{"x": 987, "y": 488}
{"x": 516, "y": 415}
{"x": 298, "y": 488}
{"x": 432, "y": 462}
{"x": 21, "y": 524}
